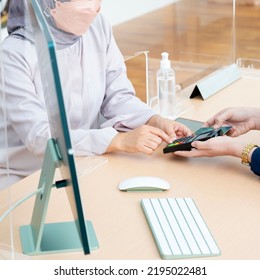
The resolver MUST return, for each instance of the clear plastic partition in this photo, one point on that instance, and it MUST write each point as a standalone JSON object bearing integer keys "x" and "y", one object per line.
{"x": 17, "y": 81}
{"x": 198, "y": 35}
{"x": 201, "y": 39}
{"x": 10, "y": 197}
{"x": 247, "y": 40}
{"x": 5, "y": 199}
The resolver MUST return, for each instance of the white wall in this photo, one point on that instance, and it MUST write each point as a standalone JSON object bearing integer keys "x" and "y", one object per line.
{"x": 118, "y": 11}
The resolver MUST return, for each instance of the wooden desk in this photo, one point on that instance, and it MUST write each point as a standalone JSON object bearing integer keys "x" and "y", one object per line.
{"x": 226, "y": 192}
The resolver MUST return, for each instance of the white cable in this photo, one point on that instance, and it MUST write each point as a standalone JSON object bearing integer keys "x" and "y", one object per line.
{"x": 18, "y": 203}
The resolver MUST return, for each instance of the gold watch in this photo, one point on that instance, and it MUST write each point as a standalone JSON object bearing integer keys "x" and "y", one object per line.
{"x": 246, "y": 151}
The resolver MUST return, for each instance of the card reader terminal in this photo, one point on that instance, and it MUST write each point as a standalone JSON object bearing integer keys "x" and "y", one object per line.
{"x": 202, "y": 134}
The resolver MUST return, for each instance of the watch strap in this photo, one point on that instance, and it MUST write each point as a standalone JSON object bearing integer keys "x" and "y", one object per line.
{"x": 245, "y": 152}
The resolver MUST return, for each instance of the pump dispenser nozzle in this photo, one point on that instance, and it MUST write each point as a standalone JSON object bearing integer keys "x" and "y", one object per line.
{"x": 165, "y": 62}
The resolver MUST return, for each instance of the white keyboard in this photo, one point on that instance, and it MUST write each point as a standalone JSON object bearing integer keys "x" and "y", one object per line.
{"x": 178, "y": 228}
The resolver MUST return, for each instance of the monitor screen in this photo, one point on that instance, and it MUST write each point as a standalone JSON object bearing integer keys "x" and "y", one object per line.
{"x": 58, "y": 152}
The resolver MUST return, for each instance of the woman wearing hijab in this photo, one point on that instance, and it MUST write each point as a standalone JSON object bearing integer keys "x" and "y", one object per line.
{"x": 103, "y": 112}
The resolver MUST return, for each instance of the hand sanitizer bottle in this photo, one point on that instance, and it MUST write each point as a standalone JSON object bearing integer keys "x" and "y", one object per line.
{"x": 166, "y": 87}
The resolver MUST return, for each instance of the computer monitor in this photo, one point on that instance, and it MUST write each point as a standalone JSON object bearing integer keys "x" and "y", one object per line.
{"x": 38, "y": 237}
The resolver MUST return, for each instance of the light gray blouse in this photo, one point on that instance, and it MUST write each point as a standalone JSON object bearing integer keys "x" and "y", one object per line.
{"x": 99, "y": 98}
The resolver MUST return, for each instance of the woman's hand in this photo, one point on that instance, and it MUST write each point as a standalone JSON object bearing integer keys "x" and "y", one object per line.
{"x": 242, "y": 120}
{"x": 172, "y": 128}
{"x": 145, "y": 139}
{"x": 218, "y": 146}
{"x": 148, "y": 138}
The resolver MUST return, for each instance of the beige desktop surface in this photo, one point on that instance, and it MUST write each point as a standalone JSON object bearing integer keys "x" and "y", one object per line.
{"x": 226, "y": 193}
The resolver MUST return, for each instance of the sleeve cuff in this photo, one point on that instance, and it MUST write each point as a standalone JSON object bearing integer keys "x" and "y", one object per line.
{"x": 255, "y": 161}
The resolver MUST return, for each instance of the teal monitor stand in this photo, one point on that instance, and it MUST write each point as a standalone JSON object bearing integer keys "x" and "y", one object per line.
{"x": 38, "y": 237}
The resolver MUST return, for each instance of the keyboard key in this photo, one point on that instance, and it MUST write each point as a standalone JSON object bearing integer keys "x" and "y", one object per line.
{"x": 167, "y": 231}
{"x": 175, "y": 228}
{"x": 191, "y": 223}
{"x": 156, "y": 228}
{"x": 203, "y": 227}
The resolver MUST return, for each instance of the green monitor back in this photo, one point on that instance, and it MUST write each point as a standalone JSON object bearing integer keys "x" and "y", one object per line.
{"x": 38, "y": 237}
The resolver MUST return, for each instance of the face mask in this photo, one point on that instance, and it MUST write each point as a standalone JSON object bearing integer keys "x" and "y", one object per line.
{"x": 76, "y": 16}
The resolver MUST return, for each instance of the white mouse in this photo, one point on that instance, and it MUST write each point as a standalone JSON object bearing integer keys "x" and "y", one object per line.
{"x": 144, "y": 183}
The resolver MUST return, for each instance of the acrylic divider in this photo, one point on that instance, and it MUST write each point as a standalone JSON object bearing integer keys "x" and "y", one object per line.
{"x": 6, "y": 232}
{"x": 7, "y": 217}
{"x": 141, "y": 70}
